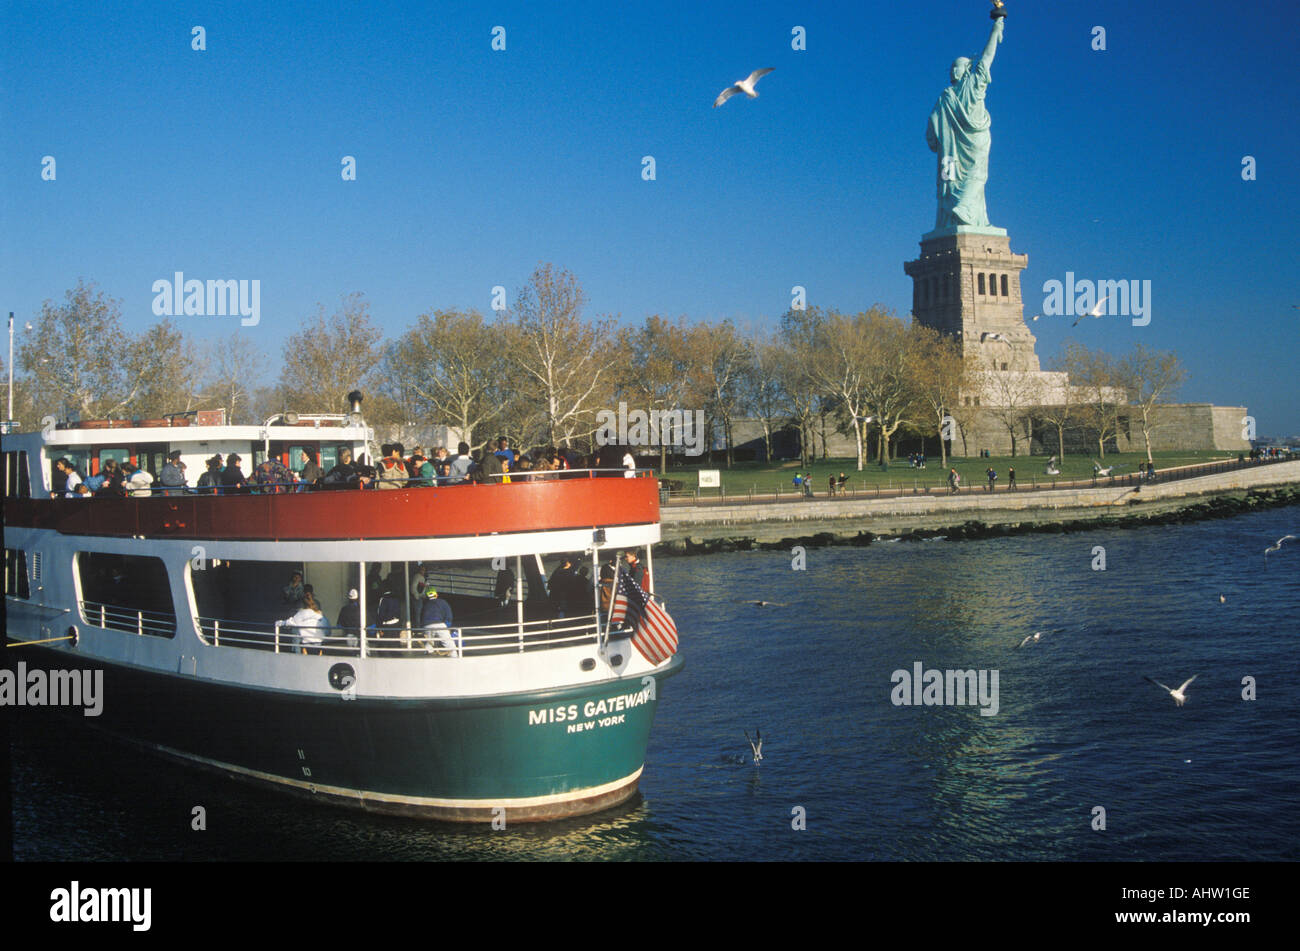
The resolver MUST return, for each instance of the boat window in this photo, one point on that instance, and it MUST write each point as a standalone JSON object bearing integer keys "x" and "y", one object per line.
{"x": 119, "y": 454}
{"x": 329, "y": 457}
{"x": 16, "y": 584}
{"x": 126, "y": 593}
{"x": 17, "y": 480}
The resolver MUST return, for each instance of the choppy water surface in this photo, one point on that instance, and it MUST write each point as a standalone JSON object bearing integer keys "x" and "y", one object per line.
{"x": 1077, "y": 726}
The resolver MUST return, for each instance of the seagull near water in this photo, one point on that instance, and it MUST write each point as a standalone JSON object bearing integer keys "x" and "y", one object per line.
{"x": 742, "y": 85}
{"x": 1179, "y": 695}
{"x": 756, "y": 747}
{"x": 1034, "y": 637}
{"x": 767, "y": 604}
{"x": 1095, "y": 312}
{"x": 1277, "y": 546}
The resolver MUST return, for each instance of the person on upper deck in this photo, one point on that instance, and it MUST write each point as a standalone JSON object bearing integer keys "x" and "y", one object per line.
{"x": 421, "y": 470}
{"x": 508, "y": 455}
{"x": 392, "y": 468}
{"x": 346, "y": 473}
{"x": 310, "y": 473}
{"x": 493, "y": 468}
{"x": 114, "y": 486}
{"x": 138, "y": 481}
{"x": 173, "y": 474}
{"x": 70, "y": 479}
{"x": 211, "y": 478}
{"x": 460, "y": 465}
{"x": 232, "y": 479}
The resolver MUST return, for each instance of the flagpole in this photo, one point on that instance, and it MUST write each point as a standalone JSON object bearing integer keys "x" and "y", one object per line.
{"x": 613, "y": 594}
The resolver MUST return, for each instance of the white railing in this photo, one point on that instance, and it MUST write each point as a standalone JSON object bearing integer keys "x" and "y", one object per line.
{"x": 118, "y": 618}
{"x": 395, "y": 641}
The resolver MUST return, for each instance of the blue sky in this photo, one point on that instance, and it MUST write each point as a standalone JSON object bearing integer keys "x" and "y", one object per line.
{"x": 473, "y": 165}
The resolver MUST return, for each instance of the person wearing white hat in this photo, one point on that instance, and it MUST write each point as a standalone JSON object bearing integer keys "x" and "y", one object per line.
{"x": 350, "y": 618}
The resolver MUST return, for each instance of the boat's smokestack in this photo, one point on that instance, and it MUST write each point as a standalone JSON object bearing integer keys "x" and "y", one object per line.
{"x": 354, "y": 400}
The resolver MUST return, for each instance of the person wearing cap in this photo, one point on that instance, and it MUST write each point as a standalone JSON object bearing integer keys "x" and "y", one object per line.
{"x": 435, "y": 618}
{"x": 350, "y": 619}
{"x": 173, "y": 474}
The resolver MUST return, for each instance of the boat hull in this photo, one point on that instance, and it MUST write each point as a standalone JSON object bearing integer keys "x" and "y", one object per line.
{"x": 537, "y": 755}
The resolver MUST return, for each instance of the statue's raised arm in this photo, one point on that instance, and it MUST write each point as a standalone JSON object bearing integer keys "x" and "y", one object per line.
{"x": 991, "y": 47}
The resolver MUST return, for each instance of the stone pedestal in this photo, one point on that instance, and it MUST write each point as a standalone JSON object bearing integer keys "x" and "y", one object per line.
{"x": 966, "y": 284}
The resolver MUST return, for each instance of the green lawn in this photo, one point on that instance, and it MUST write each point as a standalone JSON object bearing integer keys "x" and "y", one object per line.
{"x": 767, "y": 478}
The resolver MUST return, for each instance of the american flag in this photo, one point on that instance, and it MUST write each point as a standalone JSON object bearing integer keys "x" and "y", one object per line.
{"x": 655, "y": 634}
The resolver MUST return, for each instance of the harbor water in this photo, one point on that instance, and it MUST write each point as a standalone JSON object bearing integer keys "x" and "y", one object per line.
{"x": 847, "y": 772}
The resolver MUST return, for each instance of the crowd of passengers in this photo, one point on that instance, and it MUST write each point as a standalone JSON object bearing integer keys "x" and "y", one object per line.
{"x": 393, "y": 470}
{"x": 309, "y": 631}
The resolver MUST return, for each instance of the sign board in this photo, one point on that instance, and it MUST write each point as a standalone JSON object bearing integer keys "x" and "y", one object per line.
{"x": 210, "y": 417}
{"x": 710, "y": 478}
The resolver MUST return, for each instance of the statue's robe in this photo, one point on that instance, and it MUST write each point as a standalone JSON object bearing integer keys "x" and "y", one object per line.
{"x": 959, "y": 130}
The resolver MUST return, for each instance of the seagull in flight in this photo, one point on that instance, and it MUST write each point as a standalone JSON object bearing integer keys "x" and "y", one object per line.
{"x": 1035, "y": 637}
{"x": 742, "y": 85}
{"x": 1035, "y": 317}
{"x": 756, "y": 747}
{"x": 1095, "y": 312}
{"x": 1179, "y": 696}
{"x": 1277, "y": 546}
{"x": 767, "y": 604}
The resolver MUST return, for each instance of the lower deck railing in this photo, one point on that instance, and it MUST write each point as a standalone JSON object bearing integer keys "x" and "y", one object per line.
{"x": 396, "y": 641}
{"x": 133, "y": 621}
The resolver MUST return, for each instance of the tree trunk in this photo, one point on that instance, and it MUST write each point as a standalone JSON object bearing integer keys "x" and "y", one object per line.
{"x": 1060, "y": 440}
{"x": 857, "y": 437}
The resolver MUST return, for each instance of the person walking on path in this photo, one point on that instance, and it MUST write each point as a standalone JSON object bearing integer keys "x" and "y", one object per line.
{"x": 1011, "y": 479}
{"x": 993, "y": 477}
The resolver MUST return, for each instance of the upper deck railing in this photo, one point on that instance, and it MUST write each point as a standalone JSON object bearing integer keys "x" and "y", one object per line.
{"x": 528, "y": 502}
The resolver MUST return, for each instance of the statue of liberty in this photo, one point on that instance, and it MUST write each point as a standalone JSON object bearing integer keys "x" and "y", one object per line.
{"x": 959, "y": 133}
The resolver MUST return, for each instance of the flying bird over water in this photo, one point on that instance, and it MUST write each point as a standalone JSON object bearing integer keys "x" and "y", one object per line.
{"x": 742, "y": 85}
{"x": 767, "y": 604}
{"x": 1277, "y": 546}
{"x": 1180, "y": 697}
{"x": 756, "y": 747}
{"x": 1035, "y": 637}
{"x": 1095, "y": 312}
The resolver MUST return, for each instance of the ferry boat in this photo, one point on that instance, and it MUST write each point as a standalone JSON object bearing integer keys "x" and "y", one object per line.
{"x": 525, "y": 707}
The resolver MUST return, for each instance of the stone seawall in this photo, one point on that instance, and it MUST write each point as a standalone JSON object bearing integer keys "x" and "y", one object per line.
{"x": 973, "y": 513}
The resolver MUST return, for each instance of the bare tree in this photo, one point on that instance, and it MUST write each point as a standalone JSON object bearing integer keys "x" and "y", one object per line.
{"x": 560, "y": 353}
{"x": 79, "y": 358}
{"x": 723, "y": 359}
{"x": 1149, "y": 376}
{"x": 763, "y": 391}
{"x": 236, "y": 366}
{"x": 940, "y": 380}
{"x": 331, "y": 356}
{"x": 1061, "y": 408}
{"x": 844, "y": 346}
{"x": 1101, "y": 391}
{"x": 660, "y": 361}
{"x": 447, "y": 368}
{"x": 797, "y": 367}
{"x": 1007, "y": 395}
{"x": 167, "y": 363}
{"x": 889, "y": 374}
